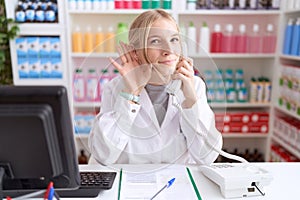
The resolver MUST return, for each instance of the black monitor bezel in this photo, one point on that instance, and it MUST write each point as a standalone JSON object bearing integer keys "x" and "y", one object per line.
{"x": 57, "y": 98}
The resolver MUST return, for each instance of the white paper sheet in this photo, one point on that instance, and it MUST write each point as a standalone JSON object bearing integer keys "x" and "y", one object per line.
{"x": 138, "y": 186}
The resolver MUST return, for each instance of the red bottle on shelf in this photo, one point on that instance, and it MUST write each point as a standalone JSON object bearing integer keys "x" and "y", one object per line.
{"x": 216, "y": 40}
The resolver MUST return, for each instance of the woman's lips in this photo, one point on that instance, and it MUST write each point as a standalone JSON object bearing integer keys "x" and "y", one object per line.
{"x": 167, "y": 62}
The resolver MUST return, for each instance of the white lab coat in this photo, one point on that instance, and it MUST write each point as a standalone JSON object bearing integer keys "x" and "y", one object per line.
{"x": 128, "y": 133}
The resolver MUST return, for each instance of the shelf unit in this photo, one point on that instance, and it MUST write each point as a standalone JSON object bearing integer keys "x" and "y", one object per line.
{"x": 281, "y": 62}
{"x": 40, "y": 29}
{"x": 254, "y": 65}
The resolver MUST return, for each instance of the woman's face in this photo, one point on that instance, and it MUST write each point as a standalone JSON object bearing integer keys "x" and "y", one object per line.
{"x": 163, "y": 44}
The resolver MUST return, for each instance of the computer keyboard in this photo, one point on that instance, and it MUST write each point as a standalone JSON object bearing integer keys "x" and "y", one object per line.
{"x": 91, "y": 184}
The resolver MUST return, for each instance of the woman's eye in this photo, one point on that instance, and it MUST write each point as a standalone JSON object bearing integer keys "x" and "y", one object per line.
{"x": 155, "y": 41}
{"x": 175, "y": 39}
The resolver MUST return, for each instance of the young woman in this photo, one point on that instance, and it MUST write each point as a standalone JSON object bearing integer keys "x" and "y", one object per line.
{"x": 156, "y": 111}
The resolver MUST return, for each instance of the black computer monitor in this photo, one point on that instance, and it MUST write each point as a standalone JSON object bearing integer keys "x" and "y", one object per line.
{"x": 36, "y": 139}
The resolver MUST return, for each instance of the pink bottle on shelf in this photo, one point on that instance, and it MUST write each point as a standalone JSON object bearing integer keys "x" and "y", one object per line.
{"x": 104, "y": 78}
{"x": 128, "y": 4}
{"x": 119, "y": 4}
{"x": 241, "y": 40}
{"x": 79, "y": 85}
{"x": 137, "y": 4}
{"x": 228, "y": 40}
{"x": 216, "y": 40}
{"x": 255, "y": 40}
{"x": 92, "y": 87}
{"x": 269, "y": 40}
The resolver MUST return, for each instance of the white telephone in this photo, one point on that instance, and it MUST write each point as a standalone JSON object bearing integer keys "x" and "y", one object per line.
{"x": 239, "y": 179}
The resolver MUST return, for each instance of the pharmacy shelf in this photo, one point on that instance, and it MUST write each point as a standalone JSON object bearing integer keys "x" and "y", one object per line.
{"x": 94, "y": 55}
{"x": 295, "y": 58}
{"x": 87, "y": 104}
{"x": 41, "y": 29}
{"x": 83, "y": 136}
{"x": 229, "y": 12}
{"x": 107, "y": 12}
{"x": 290, "y": 113}
{"x": 293, "y": 11}
{"x": 287, "y": 146}
{"x": 39, "y": 81}
{"x": 240, "y": 105}
{"x": 245, "y": 135}
{"x": 234, "y": 56}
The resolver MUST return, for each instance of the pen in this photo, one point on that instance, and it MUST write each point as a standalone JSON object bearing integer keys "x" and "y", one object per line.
{"x": 170, "y": 182}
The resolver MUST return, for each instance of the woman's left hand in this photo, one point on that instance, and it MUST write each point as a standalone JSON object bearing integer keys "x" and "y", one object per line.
{"x": 185, "y": 73}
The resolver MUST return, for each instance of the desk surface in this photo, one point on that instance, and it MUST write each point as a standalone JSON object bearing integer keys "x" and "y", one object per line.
{"x": 285, "y": 183}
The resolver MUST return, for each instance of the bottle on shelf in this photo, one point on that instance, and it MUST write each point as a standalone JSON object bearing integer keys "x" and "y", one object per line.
{"x": 191, "y": 39}
{"x": 92, "y": 87}
{"x": 72, "y": 4}
{"x": 99, "y": 40}
{"x": 269, "y": 40}
{"x": 109, "y": 43}
{"x": 241, "y": 40}
{"x": 50, "y": 13}
{"x": 115, "y": 73}
{"x": 127, "y": 4}
{"x": 79, "y": 85}
{"x": 88, "y": 40}
{"x": 204, "y": 39}
{"x": 242, "y": 4}
{"x": 216, "y": 39}
{"x": 255, "y": 40}
{"x": 88, "y": 4}
{"x": 191, "y": 4}
{"x": 39, "y": 13}
{"x": 228, "y": 39}
{"x": 287, "y": 43}
{"x": 119, "y": 4}
{"x": 137, "y": 4}
{"x": 167, "y": 4}
{"x": 155, "y": 4}
{"x": 82, "y": 158}
{"x": 253, "y": 4}
{"x": 122, "y": 33}
{"x": 146, "y": 4}
{"x": 20, "y": 13}
{"x": 77, "y": 40}
{"x": 296, "y": 38}
{"x": 80, "y": 4}
{"x": 104, "y": 78}
{"x": 30, "y": 12}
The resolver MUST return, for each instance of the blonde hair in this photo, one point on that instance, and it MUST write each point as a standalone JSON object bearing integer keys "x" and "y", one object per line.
{"x": 140, "y": 28}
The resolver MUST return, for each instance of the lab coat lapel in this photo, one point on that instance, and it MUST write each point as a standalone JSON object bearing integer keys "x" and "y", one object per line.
{"x": 172, "y": 110}
{"x": 148, "y": 106}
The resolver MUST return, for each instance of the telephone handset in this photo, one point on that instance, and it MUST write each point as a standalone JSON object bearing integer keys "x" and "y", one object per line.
{"x": 176, "y": 84}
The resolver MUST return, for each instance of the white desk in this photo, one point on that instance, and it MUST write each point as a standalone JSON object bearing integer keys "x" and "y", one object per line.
{"x": 285, "y": 185}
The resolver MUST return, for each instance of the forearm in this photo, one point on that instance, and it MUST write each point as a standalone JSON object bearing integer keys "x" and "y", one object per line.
{"x": 203, "y": 139}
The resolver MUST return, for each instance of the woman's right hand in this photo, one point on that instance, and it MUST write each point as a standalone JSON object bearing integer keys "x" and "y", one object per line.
{"x": 135, "y": 74}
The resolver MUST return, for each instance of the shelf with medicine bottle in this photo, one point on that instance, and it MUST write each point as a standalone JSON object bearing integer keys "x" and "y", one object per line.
{"x": 239, "y": 78}
{"x": 285, "y": 140}
{"x": 37, "y": 56}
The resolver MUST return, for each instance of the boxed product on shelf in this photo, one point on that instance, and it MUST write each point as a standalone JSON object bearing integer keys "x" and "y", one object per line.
{"x": 83, "y": 122}
{"x": 39, "y": 57}
{"x": 279, "y": 154}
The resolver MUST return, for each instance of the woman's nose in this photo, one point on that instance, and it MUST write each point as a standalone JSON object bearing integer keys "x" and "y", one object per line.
{"x": 167, "y": 49}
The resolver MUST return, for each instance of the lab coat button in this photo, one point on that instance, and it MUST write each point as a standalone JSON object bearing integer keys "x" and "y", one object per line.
{"x": 133, "y": 110}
